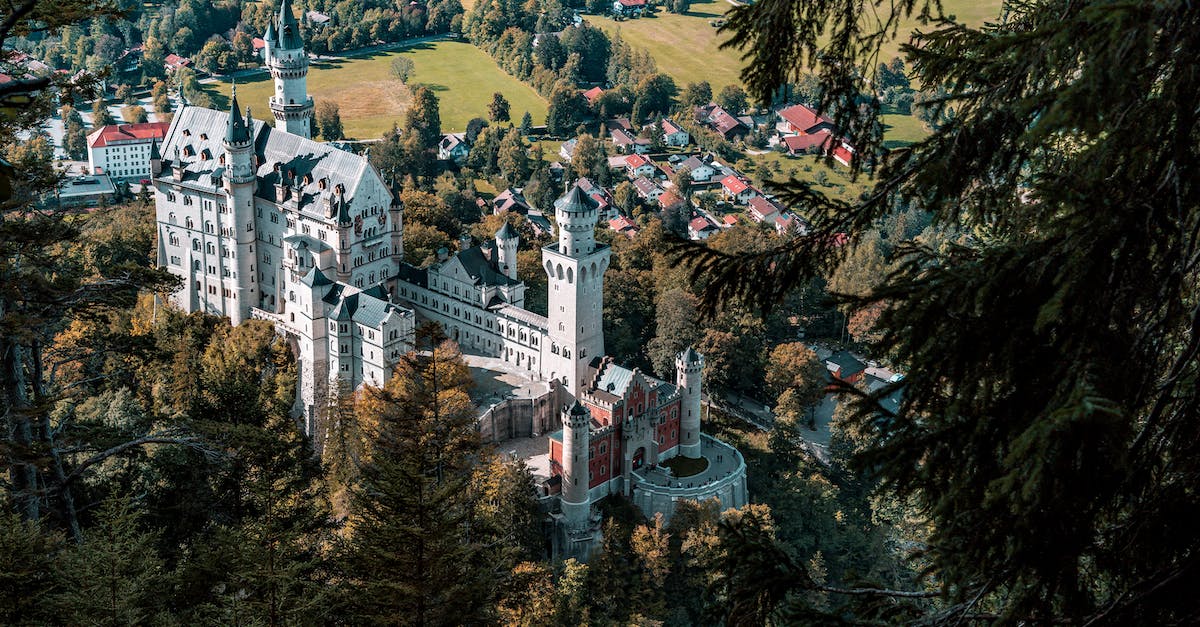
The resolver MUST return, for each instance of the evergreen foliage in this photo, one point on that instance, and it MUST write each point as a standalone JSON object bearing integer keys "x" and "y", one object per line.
{"x": 1050, "y": 402}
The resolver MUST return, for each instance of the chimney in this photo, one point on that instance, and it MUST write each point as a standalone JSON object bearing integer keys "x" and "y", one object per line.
{"x": 464, "y": 242}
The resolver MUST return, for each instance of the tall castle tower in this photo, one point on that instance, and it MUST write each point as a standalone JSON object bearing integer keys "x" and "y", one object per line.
{"x": 576, "y": 502}
{"x": 291, "y": 104}
{"x": 689, "y": 365}
{"x": 240, "y": 183}
{"x": 506, "y": 248}
{"x": 575, "y": 266}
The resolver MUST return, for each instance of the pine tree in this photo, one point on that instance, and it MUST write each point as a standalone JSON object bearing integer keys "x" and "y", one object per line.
{"x": 115, "y": 576}
{"x": 410, "y": 553}
{"x": 1050, "y": 402}
{"x": 498, "y": 109}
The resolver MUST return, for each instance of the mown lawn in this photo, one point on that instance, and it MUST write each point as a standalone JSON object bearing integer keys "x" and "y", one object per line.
{"x": 687, "y": 47}
{"x": 371, "y": 101}
{"x": 901, "y": 130}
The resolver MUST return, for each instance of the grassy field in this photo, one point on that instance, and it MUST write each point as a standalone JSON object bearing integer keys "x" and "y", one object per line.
{"x": 370, "y": 100}
{"x": 687, "y": 46}
{"x": 901, "y": 130}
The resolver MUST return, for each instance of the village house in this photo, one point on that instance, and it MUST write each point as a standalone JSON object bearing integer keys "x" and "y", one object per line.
{"x": 724, "y": 123}
{"x": 673, "y": 134}
{"x": 123, "y": 150}
{"x": 762, "y": 210}
{"x": 701, "y": 229}
{"x": 510, "y": 200}
{"x": 567, "y": 150}
{"x": 592, "y": 96}
{"x": 670, "y": 201}
{"x": 174, "y": 62}
{"x": 700, "y": 171}
{"x": 801, "y": 119}
{"x": 845, "y": 367}
{"x": 454, "y": 147}
{"x": 627, "y": 143}
{"x": 737, "y": 190}
{"x": 637, "y": 165}
{"x": 629, "y": 8}
{"x": 647, "y": 189}
{"x": 624, "y": 226}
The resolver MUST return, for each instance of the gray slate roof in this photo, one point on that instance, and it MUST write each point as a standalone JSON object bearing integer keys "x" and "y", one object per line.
{"x": 206, "y": 130}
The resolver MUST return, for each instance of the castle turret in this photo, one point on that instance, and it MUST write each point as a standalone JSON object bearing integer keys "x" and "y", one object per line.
{"x": 575, "y": 266}
{"x": 240, "y": 184}
{"x": 506, "y": 247}
{"x": 155, "y": 158}
{"x": 576, "y": 504}
{"x": 689, "y": 367}
{"x": 291, "y": 104}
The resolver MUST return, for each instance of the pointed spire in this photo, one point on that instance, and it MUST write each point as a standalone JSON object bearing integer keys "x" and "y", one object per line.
{"x": 182, "y": 99}
{"x": 270, "y": 36}
{"x": 236, "y": 131}
{"x": 289, "y": 28}
{"x": 578, "y": 409}
{"x": 154, "y": 153}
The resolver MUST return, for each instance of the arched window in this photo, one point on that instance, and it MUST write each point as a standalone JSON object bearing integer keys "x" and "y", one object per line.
{"x": 196, "y": 245}
{"x": 171, "y": 218}
{"x": 174, "y": 239}
{"x": 570, "y": 274}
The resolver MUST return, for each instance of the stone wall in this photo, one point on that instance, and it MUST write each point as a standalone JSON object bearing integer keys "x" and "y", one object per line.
{"x": 520, "y": 418}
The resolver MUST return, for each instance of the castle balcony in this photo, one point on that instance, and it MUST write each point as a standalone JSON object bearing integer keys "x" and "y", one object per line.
{"x": 724, "y": 478}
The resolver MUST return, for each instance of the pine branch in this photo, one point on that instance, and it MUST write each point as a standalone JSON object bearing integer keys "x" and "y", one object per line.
{"x": 143, "y": 441}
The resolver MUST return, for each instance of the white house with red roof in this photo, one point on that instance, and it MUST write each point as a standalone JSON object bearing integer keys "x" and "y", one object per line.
{"x": 624, "y": 226}
{"x": 673, "y": 134}
{"x": 637, "y": 165}
{"x": 701, "y": 229}
{"x": 631, "y": 8}
{"x": 736, "y": 189}
{"x": 123, "y": 150}
{"x": 174, "y": 61}
{"x": 762, "y": 210}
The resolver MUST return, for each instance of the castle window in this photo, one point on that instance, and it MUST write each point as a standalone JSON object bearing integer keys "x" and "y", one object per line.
{"x": 196, "y": 265}
{"x": 171, "y": 218}
{"x": 209, "y": 248}
{"x": 174, "y": 239}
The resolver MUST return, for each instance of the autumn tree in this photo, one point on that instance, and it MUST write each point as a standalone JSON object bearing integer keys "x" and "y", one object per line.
{"x": 498, "y": 108}
{"x": 329, "y": 120}
{"x": 101, "y": 115}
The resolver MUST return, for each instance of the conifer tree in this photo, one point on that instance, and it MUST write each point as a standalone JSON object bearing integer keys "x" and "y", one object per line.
{"x": 1050, "y": 404}
{"x": 115, "y": 576}
{"x": 410, "y": 552}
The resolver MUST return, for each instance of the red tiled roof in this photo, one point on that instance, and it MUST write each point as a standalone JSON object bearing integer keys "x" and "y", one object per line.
{"x": 844, "y": 154}
{"x": 633, "y": 3}
{"x": 800, "y": 143}
{"x": 620, "y": 223}
{"x": 734, "y": 185}
{"x": 723, "y": 122}
{"x": 761, "y": 208}
{"x": 258, "y": 43}
{"x": 634, "y": 162}
{"x": 670, "y": 127}
{"x": 699, "y": 224}
{"x": 668, "y": 200}
{"x": 803, "y": 118}
{"x": 730, "y": 220}
{"x": 127, "y": 132}
{"x": 174, "y": 60}
{"x": 592, "y": 94}
{"x": 5, "y": 78}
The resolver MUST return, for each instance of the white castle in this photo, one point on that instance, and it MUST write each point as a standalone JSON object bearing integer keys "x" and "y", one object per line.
{"x": 263, "y": 222}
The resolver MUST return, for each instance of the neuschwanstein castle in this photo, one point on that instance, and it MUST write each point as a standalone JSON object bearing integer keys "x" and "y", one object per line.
{"x": 261, "y": 221}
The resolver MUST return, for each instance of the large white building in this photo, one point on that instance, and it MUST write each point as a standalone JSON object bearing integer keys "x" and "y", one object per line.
{"x": 122, "y": 151}
{"x": 263, "y": 222}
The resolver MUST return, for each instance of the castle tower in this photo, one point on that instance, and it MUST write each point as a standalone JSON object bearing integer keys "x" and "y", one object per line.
{"x": 575, "y": 267}
{"x": 240, "y": 183}
{"x": 689, "y": 365}
{"x": 576, "y": 503}
{"x": 155, "y": 158}
{"x": 506, "y": 247}
{"x": 291, "y": 104}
